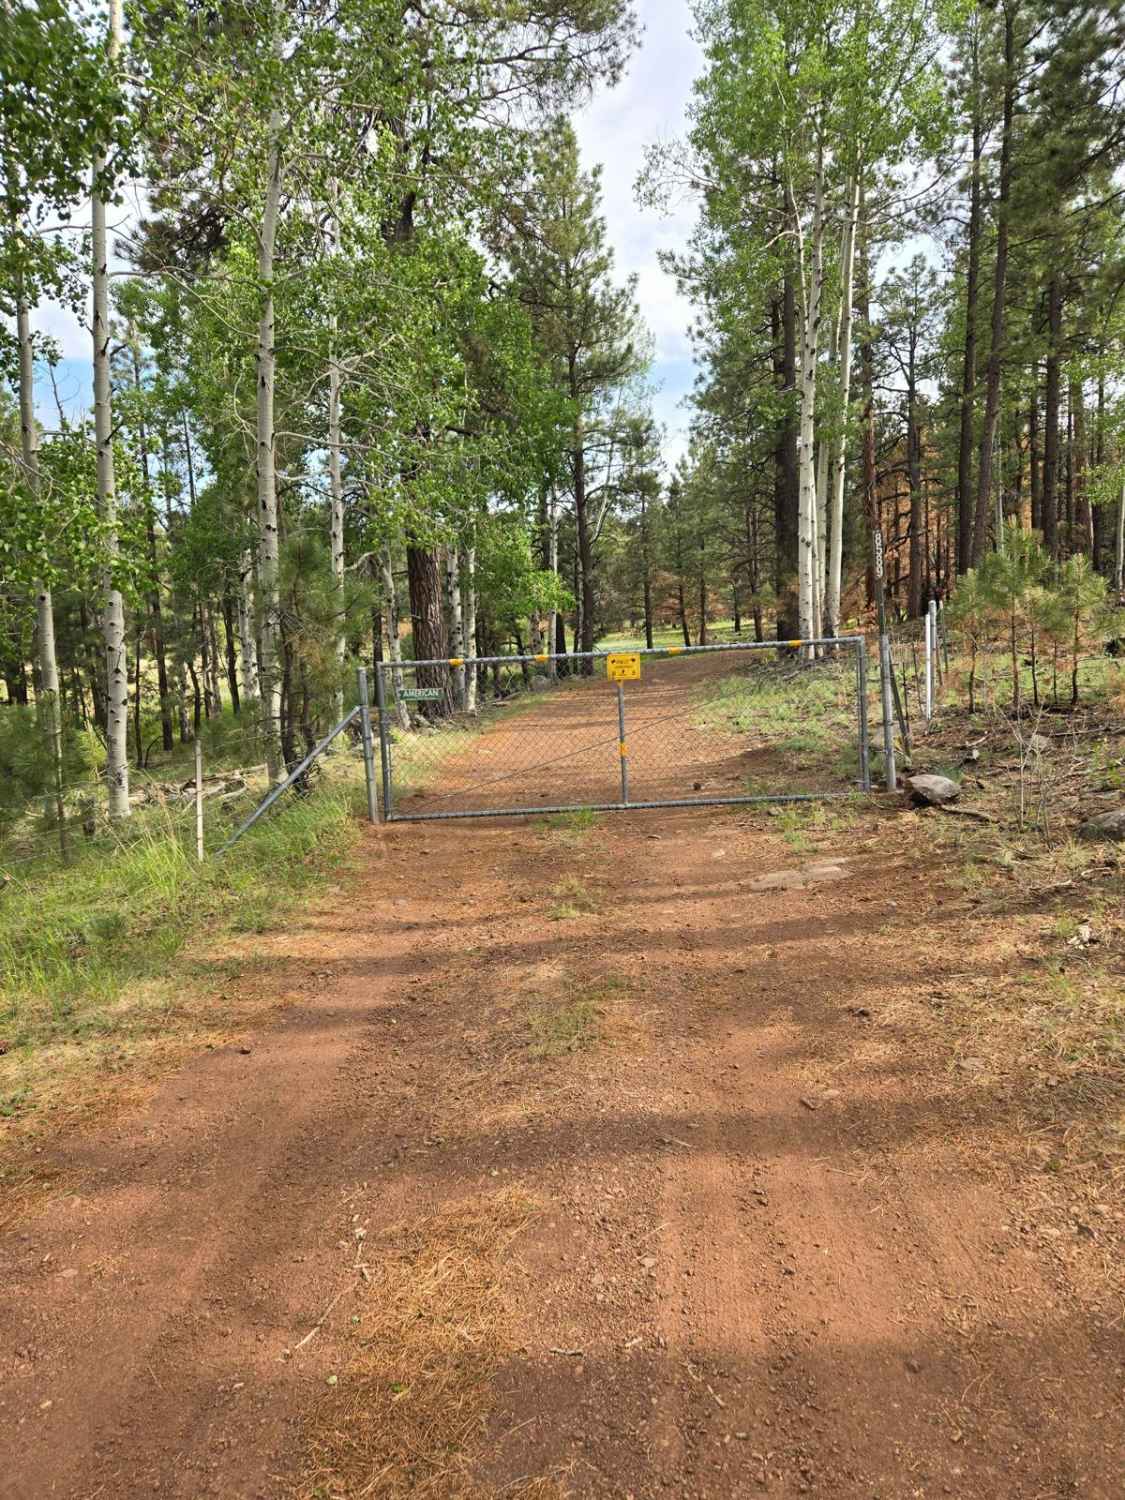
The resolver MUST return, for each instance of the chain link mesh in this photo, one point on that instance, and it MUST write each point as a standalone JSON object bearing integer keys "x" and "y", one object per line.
{"x": 708, "y": 725}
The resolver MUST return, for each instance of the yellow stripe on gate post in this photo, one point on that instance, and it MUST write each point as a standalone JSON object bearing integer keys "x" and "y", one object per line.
{"x": 456, "y": 661}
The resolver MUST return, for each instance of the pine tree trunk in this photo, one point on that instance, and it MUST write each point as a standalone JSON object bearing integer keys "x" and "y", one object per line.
{"x": 915, "y": 601}
{"x": 1119, "y": 551}
{"x": 646, "y": 571}
{"x": 969, "y": 358}
{"x": 266, "y": 464}
{"x": 553, "y": 567}
{"x": 113, "y": 616}
{"x": 1034, "y": 458}
{"x": 999, "y": 294}
{"x": 1083, "y": 513}
{"x": 839, "y": 466}
{"x": 428, "y": 621}
{"x": 585, "y": 553}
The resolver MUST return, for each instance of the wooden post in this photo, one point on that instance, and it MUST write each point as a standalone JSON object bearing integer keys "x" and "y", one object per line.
{"x": 198, "y": 799}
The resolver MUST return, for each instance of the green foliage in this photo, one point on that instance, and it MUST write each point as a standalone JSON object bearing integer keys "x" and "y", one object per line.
{"x": 26, "y": 774}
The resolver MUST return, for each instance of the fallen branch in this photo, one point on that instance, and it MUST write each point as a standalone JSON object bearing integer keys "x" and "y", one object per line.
{"x": 967, "y": 812}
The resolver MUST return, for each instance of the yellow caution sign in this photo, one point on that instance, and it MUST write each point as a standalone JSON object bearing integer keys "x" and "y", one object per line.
{"x": 623, "y": 666}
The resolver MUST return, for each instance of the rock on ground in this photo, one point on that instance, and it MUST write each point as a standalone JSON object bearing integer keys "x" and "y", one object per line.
{"x": 932, "y": 791}
{"x": 1108, "y": 825}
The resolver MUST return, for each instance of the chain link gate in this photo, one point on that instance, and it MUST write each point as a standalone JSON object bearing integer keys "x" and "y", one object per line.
{"x": 685, "y": 726}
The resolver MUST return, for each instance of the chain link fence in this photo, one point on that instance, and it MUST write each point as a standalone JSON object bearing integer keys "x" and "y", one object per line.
{"x": 677, "y": 726}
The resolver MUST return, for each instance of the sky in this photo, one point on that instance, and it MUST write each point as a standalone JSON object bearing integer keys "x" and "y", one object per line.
{"x": 613, "y": 130}
{"x": 646, "y": 107}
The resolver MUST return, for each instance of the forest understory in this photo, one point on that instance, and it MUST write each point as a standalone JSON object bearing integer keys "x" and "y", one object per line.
{"x": 666, "y": 1153}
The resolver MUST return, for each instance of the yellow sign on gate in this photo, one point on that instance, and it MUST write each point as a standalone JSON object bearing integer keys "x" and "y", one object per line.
{"x": 623, "y": 666}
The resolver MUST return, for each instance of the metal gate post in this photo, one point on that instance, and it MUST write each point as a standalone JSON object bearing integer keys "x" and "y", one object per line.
{"x": 384, "y": 743}
{"x": 368, "y": 753}
{"x": 622, "y": 748}
{"x": 861, "y": 689}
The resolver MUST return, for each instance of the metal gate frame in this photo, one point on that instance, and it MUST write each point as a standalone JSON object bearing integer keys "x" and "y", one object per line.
{"x": 626, "y": 804}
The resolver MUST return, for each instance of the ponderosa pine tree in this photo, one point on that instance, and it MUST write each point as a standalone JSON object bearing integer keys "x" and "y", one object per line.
{"x": 587, "y": 328}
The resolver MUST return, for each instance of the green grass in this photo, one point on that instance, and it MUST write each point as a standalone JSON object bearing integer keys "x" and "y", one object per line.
{"x": 570, "y": 827}
{"x": 671, "y": 635}
{"x": 100, "y": 960}
{"x": 806, "y": 716}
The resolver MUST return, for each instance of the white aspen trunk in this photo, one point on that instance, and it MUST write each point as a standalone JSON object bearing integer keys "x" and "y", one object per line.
{"x": 470, "y": 611}
{"x": 247, "y": 644}
{"x": 186, "y": 728}
{"x": 456, "y": 622}
{"x": 1119, "y": 561}
{"x": 553, "y": 564}
{"x": 207, "y": 626}
{"x": 335, "y": 481}
{"x": 113, "y": 613}
{"x": 47, "y": 696}
{"x": 810, "y": 338}
{"x": 839, "y": 463}
{"x": 394, "y": 641}
{"x": 821, "y": 537}
{"x": 268, "y": 563}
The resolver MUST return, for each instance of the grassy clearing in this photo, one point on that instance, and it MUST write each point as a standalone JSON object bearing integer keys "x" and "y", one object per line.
{"x": 804, "y": 717}
{"x": 432, "y": 1326}
{"x": 108, "y": 965}
{"x": 718, "y": 631}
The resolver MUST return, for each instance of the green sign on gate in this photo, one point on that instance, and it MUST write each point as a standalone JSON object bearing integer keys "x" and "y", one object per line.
{"x": 421, "y": 695}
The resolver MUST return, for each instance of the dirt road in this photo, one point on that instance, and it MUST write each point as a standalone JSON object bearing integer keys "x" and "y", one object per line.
{"x": 772, "y": 1239}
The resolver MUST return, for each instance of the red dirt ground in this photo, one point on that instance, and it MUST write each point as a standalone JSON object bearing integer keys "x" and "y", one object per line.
{"x": 781, "y": 1249}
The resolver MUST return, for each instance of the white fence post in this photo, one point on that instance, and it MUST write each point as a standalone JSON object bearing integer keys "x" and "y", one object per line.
{"x": 198, "y": 800}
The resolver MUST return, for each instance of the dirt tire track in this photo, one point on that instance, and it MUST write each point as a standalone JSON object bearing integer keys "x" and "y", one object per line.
{"x": 753, "y": 1295}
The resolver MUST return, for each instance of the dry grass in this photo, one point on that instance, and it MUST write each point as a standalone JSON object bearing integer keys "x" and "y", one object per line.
{"x": 572, "y": 898}
{"x": 435, "y": 1326}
